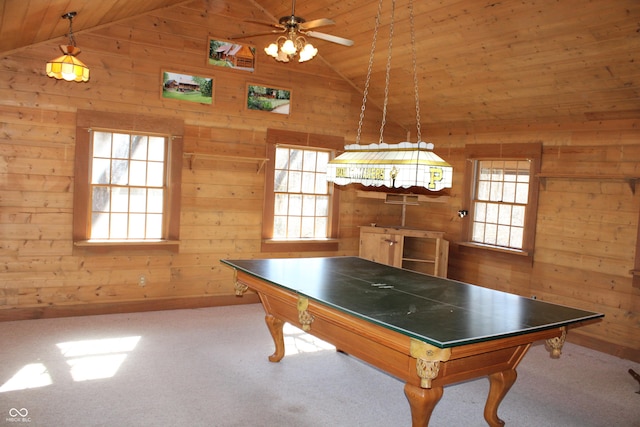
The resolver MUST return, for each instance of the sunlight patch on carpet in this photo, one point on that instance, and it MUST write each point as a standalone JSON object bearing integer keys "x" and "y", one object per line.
{"x": 32, "y": 375}
{"x": 97, "y": 359}
{"x": 296, "y": 341}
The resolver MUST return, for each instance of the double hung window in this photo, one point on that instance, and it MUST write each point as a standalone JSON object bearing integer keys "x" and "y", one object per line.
{"x": 502, "y": 189}
{"x": 128, "y": 186}
{"x": 501, "y": 194}
{"x": 301, "y": 191}
{"x": 127, "y": 182}
{"x": 300, "y": 206}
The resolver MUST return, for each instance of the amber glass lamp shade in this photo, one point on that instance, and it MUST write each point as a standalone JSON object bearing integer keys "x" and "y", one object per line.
{"x": 68, "y": 67}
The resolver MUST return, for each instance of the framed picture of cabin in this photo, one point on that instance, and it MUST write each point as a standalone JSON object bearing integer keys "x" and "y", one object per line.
{"x": 232, "y": 55}
{"x": 269, "y": 99}
{"x": 185, "y": 87}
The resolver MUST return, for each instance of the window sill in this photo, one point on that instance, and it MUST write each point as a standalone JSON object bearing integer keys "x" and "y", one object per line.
{"x": 517, "y": 252}
{"x": 97, "y": 247}
{"x": 301, "y": 245}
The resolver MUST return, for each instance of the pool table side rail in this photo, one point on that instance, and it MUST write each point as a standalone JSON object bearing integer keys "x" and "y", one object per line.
{"x": 441, "y": 344}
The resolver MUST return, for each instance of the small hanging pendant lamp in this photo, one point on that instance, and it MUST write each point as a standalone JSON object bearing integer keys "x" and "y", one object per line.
{"x": 402, "y": 165}
{"x": 68, "y": 67}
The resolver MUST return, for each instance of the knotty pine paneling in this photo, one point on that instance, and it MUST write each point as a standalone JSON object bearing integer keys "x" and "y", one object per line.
{"x": 222, "y": 199}
{"x": 221, "y": 248}
{"x": 36, "y": 199}
{"x": 585, "y": 240}
{"x": 22, "y": 182}
{"x": 585, "y": 236}
{"x": 32, "y": 248}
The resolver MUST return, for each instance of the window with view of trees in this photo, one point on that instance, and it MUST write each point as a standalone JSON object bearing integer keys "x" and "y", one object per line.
{"x": 301, "y": 192}
{"x": 128, "y": 186}
{"x": 300, "y": 206}
{"x": 128, "y": 172}
{"x": 502, "y": 194}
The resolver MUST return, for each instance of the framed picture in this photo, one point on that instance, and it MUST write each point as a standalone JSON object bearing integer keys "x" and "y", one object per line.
{"x": 233, "y": 55}
{"x": 269, "y": 99}
{"x": 185, "y": 87}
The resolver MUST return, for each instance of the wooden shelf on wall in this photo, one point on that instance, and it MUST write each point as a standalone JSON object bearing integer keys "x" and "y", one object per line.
{"x": 631, "y": 180}
{"x": 402, "y": 199}
{"x": 260, "y": 161}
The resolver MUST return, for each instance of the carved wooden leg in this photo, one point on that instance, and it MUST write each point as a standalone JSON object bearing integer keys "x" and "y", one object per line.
{"x": 275, "y": 326}
{"x": 422, "y": 402}
{"x": 499, "y": 385}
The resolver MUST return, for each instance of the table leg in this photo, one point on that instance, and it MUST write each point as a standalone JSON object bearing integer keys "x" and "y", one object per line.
{"x": 499, "y": 385}
{"x": 275, "y": 326}
{"x": 422, "y": 402}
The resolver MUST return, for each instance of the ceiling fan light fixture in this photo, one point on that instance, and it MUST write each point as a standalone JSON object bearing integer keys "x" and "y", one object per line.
{"x": 272, "y": 50}
{"x": 282, "y": 57}
{"x": 289, "y": 47}
{"x": 292, "y": 43}
{"x": 286, "y": 48}
{"x": 275, "y": 50}
{"x": 67, "y": 67}
{"x": 308, "y": 52}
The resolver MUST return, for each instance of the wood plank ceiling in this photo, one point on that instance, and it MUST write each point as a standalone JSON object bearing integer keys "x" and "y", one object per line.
{"x": 531, "y": 61}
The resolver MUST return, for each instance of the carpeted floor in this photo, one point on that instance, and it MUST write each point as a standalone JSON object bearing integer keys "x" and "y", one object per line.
{"x": 209, "y": 367}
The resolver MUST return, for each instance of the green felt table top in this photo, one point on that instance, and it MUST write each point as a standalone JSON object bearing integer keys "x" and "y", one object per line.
{"x": 442, "y": 312}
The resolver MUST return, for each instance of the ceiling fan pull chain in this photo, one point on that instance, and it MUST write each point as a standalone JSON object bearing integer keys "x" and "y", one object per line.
{"x": 415, "y": 70}
{"x": 366, "y": 84}
{"x": 388, "y": 73}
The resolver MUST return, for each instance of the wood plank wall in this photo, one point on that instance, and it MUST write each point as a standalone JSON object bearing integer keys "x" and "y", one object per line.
{"x": 586, "y": 230}
{"x": 221, "y": 199}
{"x": 585, "y": 242}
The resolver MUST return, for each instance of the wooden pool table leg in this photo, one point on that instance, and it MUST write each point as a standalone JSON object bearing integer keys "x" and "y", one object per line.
{"x": 422, "y": 402}
{"x": 275, "y": 326}
{"x": 499, "y": 385}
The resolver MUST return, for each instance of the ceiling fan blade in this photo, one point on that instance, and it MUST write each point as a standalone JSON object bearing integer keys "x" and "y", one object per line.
{"x": 268, "y": 24}
{"x": 330, "y": 38}
{"x": 316, "y": 23}
{"x": 263, "y": 33}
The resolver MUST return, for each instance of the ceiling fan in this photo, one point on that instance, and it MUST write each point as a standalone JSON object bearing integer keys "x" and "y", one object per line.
{"x": 293, "y": 25}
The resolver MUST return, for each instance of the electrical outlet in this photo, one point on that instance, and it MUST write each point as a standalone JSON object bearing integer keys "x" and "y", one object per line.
{"x": 142, "y": 280}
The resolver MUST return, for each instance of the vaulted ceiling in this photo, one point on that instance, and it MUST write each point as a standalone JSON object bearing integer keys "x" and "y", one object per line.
{"x": 529, "y": 61}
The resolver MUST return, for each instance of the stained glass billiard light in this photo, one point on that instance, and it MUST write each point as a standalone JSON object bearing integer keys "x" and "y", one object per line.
{"x": 402, "y": 165}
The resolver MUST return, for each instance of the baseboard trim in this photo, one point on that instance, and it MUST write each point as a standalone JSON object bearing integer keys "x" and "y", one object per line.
{"x": 584, "y": 340}
{"x": 53, "y": 311}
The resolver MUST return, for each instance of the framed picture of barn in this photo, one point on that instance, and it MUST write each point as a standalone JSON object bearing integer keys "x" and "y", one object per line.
{"x": 233, "y": 55}
{"x": 185, "y": 87}
{"x": 269, "y": 99}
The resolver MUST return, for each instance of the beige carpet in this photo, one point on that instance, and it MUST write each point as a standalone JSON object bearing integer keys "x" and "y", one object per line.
{"x": 209, "y": 367}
